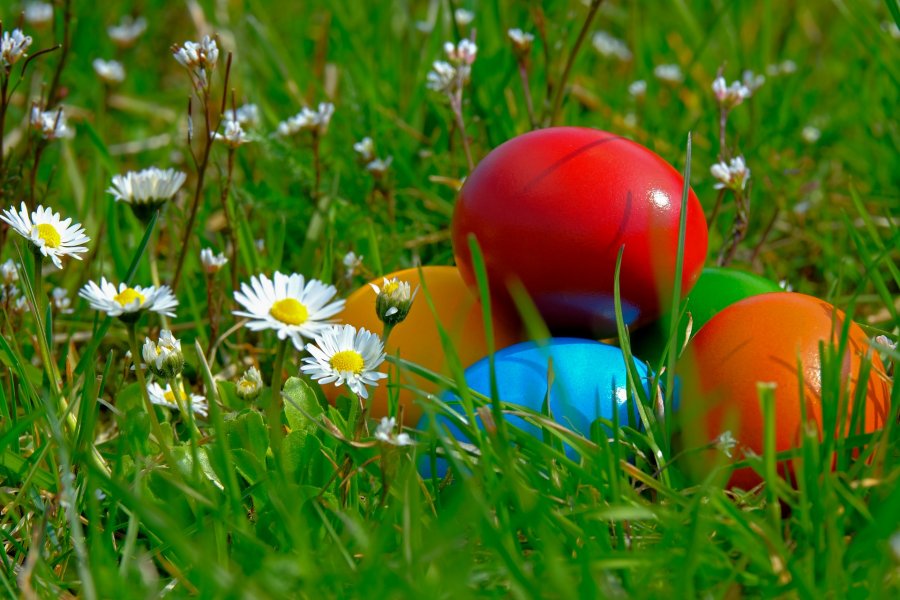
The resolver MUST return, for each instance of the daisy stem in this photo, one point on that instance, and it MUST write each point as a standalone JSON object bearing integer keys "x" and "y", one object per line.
{"x": 142, "y": 382}
{"x": 187, "y": 411}
{"x": 273, "y": 412}
{"x": 386, "y": 333}
{"x": 39, "y": 284}
{"x": 154, "y": 267}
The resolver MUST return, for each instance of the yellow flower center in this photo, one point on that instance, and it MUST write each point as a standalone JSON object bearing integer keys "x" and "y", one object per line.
{"x": 390, "y": 287}
{"x": 169, "y": 396}
{"x": 129, "y": 295}
{"x": 246, "y": 384}
{"x": 348, "y": 360}
{"x": 49, "y": 234}
{"x": 289, "y": 311}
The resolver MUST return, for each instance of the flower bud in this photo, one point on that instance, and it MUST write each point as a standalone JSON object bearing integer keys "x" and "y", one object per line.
{"x": 164, "y": 359}
{"x": 250, "y": 384}
{"x": 393, "y": 301}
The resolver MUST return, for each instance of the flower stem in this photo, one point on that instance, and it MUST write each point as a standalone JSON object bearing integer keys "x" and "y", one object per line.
{"x": 561, "y": 85}
{"x": 39, "y": 285}
{"x": 230, "y": 221}
{"x": 184, "y": 406}
{"x": 273, "y": 411}
{"x": 142, "y": 382}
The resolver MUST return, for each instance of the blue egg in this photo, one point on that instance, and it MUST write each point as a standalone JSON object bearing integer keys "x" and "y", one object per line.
{"x": 589, "y": 382}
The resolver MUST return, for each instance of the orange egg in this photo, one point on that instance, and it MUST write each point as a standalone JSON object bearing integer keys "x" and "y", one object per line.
{"x": 767, "y": 338}
{"x": 416, "y": 339}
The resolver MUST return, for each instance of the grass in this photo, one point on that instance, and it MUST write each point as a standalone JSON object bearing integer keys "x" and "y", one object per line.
{"x": 96, "y": 506}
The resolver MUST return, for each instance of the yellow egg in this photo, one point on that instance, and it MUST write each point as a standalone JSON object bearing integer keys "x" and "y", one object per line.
{"x": 416, "y": 339}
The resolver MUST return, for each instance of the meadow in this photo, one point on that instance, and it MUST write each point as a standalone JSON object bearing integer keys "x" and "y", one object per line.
{"x": 163, "y": 431}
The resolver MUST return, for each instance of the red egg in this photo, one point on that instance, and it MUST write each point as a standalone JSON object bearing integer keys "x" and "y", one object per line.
{"x": 766, "y": 339}
{"x": 553, "y": 207}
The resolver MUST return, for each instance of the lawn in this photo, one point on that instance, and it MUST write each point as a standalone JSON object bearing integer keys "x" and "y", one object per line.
{"x": 168, "y": 420}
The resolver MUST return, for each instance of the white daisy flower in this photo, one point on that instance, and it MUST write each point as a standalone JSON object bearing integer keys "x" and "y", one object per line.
{"x": 109, "y": 71}
{"x": 234, "y": 135}
{"x": 732, "y": 175}
{"x": 44, "y": 229}
{"x": 127, "y": 31}
{"x": 151, "y": 186}
{"x": 341, "y": 354}
{"x": 308, "y": 120}
{"x": 247, "y": 115}
{"x": 212, "y": 263}
{"x": 669, "y": 73}
{"x": 13, "y": 45}
{"x": 128, "y": 303}
{"x": 50, "y": 124}
{"x": 164, "y": 397}
{"x": 610, "y": 46}
{"x": 291, "y": 306}
{"x": 385, "y": 433}
{"x": 38, "y": 13}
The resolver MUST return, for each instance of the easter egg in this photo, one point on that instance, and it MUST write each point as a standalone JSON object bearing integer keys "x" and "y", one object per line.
{"x": 716, "y": 288}
{"x": 417, "y": 340}
{"x": 553, "y": 207}
{"x": 589, "y": 382}
{"x": 767, "y": 338}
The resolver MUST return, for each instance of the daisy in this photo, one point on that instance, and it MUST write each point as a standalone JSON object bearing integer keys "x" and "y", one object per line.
{"x": 341, "y": 354}
{"x": 128, "y": 303}
{"x": 165, "y": 397}
{"x": 291, "y": 306}
{"x": 43, "y": 228}
{"x": 127, "y": 31}
{"x": 109, "y": 71}
{"x": 151, "y": 187}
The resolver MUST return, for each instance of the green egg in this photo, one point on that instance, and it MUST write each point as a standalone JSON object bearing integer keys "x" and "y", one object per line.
{"x": 716, "y": 289}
